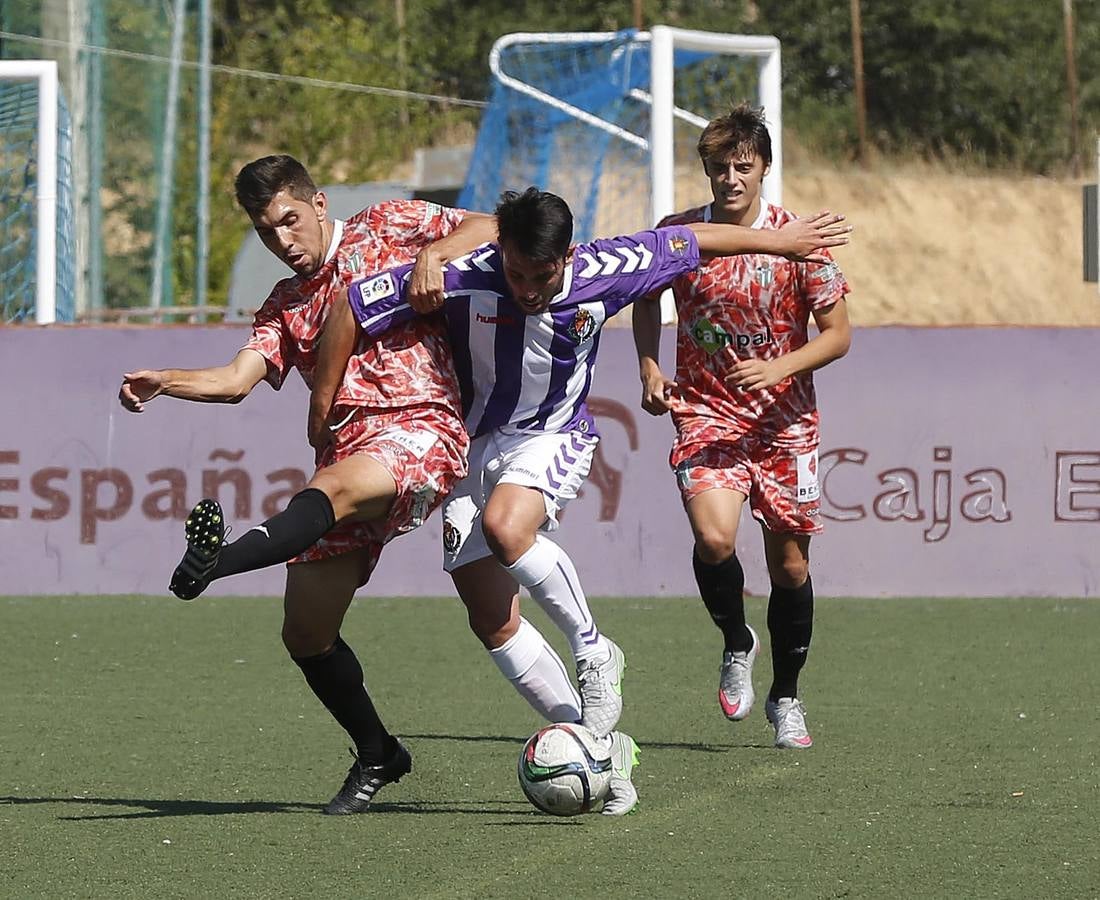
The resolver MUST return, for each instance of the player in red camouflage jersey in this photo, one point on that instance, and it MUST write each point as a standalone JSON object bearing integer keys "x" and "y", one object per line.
{"x": 746, "y": 416}
{"x": 396, "y": 446}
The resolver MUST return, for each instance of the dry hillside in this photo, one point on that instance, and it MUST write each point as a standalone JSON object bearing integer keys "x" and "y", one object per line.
{"x": 941, "y": 249}
{"x": 932, "y": 247}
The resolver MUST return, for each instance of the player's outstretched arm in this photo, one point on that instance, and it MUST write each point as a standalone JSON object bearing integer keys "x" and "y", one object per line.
{"x": 337, "y": 344}
{"x": 799, "y": 239}
{"x": 425, "y": 291}
{"x": 219, "y": 384}
{"x": 656, "y": 389}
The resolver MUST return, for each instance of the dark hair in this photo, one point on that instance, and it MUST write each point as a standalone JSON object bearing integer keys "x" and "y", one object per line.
{"x": 536, "y": 223}
{"x": 259, "y": 181}
{"x": 740, "y": 132}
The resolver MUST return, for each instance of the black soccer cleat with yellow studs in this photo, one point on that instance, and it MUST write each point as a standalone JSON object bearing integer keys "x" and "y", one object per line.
{"x": 205, "y": 532}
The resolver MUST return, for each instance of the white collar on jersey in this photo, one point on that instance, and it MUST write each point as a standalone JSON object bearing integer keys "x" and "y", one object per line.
{"x": 765, "y": 206}
{"x": 337, "y": 234}
{"x": 566, "y": 282}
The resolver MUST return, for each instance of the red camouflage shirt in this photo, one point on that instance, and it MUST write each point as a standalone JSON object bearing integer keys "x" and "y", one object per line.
{"x": 407, "y": 366}
{"x": 741, "y": 307}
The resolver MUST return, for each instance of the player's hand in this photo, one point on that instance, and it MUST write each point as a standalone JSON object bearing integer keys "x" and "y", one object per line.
{"x": 804, "y": 239}
{"x": 317, "y": 431}
{"x": 138, "y": 388}
{"x": 657, "y": 391}
{"x": 756, "y": 374}
{"x": 425, "y": 291}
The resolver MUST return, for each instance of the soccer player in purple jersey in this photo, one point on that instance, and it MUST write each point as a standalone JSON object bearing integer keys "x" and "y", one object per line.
{"x": 524, "y": 318}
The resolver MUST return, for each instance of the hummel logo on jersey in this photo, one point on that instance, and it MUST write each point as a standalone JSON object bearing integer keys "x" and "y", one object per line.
{"x": 495, "y": 320}
{"x": 712, "y": 338}
{"x": 623, "y": 259}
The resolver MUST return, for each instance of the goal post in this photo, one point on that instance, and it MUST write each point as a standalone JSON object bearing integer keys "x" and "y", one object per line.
{"x": 664, "y": 112}
{"x": 610, "y": 120}
{"x": 29, "y": 142}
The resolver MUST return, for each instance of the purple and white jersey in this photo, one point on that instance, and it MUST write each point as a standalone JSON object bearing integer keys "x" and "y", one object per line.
{"x": 523, "y": 372}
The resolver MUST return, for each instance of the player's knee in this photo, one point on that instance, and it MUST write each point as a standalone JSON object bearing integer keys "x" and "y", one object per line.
{"x": 303, "y": 640}
{"x": 714, "y": 546}
{"x": 503, "y": 535}
{"x": 493, "y": 627}
{"x": 332, "y": 488}
{"x": 352, "y": 496}
{"x": 790, "y": 572}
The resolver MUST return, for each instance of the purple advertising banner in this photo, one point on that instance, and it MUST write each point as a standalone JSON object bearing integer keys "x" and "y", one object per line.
{"x": 954, "y": 462}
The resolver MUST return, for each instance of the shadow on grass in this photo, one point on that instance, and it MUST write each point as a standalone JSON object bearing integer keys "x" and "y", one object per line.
{"x": 156, "y": 809}
{"x": 643, "y": 744}
{"x": 150, "y": 809}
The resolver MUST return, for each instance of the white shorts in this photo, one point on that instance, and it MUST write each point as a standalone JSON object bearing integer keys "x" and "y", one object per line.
{"x": 556, "y": 464}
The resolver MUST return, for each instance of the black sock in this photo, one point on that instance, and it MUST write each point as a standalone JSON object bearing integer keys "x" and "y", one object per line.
{"x": 305, "y": 520}
{"x": 791, "y": 624}
{"x": 336, "y": 677}
{"x": 722, "y": 587}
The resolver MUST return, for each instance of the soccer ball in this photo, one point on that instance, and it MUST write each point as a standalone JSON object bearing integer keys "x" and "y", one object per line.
{"x": 565, "y": 770}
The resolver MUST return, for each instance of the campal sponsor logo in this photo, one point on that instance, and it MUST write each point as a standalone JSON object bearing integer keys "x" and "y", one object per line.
{"x": 712, "y": 338}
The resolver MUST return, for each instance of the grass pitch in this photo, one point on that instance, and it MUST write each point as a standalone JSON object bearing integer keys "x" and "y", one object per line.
{"x": 159, "y": 749}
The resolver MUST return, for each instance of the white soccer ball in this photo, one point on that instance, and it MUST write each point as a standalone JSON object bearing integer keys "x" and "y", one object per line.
{"x": 565, "y": 770}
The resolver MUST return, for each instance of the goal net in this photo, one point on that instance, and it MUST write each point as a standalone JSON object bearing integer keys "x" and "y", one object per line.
{"x": 609, "y": 121}
{"x": 37, "y": 240}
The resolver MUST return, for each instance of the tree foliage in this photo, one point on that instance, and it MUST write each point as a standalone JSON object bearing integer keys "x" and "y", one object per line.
{"x": 982, "y": 80}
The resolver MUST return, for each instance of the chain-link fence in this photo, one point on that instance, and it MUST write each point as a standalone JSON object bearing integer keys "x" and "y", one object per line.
{"x": 159, "y": 129}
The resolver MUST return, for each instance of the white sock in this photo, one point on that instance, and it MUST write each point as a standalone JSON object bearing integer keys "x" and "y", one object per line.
{"x": 548, "y": 574}
{"x": 538, "y": 674}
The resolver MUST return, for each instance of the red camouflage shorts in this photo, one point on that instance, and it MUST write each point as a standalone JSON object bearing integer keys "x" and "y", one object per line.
{"x": 422, "y": 447}
{"x": 780, "y": 483}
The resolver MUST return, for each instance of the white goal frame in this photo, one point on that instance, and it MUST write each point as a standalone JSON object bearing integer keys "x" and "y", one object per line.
{"x": 660, "y": 145}
{"x": 664, "y": 41}
{"x": 44, "y": 72}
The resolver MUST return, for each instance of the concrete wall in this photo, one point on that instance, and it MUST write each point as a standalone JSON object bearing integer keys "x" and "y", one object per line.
{"x": 955, "y": 462}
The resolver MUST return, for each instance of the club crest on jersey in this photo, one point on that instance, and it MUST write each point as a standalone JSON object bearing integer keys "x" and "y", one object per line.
{"x": 451, "y": 538}
{"x": 582, "y": 327}
{"x": 677, "y": 245}
{"x": 683, "y": 476}
{"x": 355, "y": 262}
{"x": 764, "y": 275}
